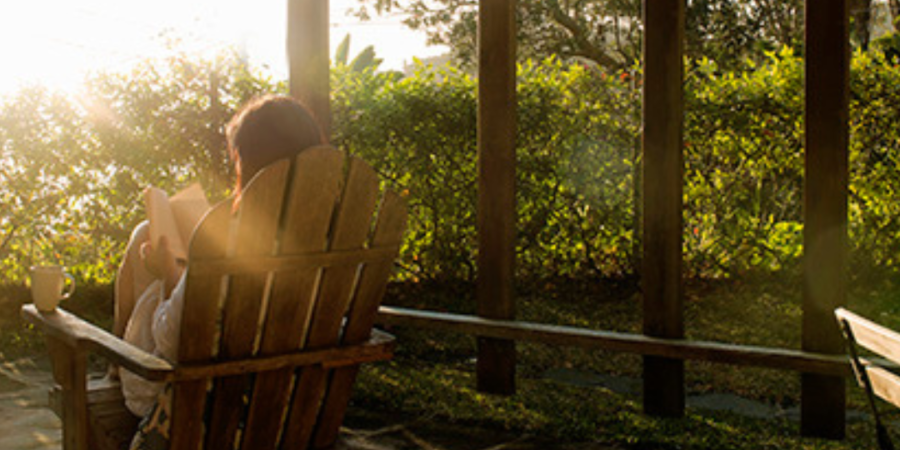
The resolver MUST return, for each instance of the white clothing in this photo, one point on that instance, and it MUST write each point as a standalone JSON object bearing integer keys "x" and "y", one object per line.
{"x": 154, "y": 326}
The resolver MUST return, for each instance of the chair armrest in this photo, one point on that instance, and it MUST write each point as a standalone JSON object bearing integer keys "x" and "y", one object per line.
{"x": 379, "y": 347}
{"x": 76, "y": 332}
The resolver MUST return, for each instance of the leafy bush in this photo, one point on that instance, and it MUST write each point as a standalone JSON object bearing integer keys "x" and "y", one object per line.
{"x": 576, "y": 141}
{"x": 875, "y": 161}
{"x": 72, "y": 168}
{"x": 744, "y": 167}
{"x": 744, "y": 176}
{"x": 419, "y": 134}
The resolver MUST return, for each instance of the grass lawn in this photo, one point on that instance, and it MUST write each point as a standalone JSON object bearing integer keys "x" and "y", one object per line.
{"x": 433, "y": 372}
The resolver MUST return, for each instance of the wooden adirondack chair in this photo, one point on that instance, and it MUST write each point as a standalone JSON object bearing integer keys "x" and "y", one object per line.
{"x": 873, "y": 374}
{"x": 281, "y": 297}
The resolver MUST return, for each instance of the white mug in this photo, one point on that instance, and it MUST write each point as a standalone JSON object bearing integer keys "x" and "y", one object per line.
{"x": 48, "y": 286}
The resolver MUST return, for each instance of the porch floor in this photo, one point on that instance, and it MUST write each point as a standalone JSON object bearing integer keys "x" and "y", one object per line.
{"x": 27, "y": 424}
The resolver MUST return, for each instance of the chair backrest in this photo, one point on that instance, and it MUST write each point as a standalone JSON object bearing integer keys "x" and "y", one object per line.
{"x": 873, "y": 374}
{"x": 881, "y": 341}
{"x": 250, "y": 292}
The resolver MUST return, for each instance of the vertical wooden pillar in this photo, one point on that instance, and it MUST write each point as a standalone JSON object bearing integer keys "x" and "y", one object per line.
{"x": 663, "y": 112}
{"x": 496, "y": 188}
{"x": 70, "y": 372}
{"x": 825, "y": 228}
{"x": 308, "y": 59}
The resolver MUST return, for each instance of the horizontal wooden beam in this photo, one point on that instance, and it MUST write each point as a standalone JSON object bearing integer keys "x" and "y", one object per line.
{"x": 379, "y": 347}
{"x": 281, "y": 263}
{"x": 743, "y": 355}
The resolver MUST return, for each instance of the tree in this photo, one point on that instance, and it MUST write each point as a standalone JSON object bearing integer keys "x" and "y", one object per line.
{"x": 72, "y": 168}
{"x": 730, "y": 32}
{"x": 894, "y": 6}
{"x": 606, "y": 33}
{"x": 365, "y": 59}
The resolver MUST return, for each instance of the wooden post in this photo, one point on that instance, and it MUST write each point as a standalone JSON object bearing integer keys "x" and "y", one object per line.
{"x": 70, "y": 372}
{"x": 496, "y": 188}
{"x": 308, "y": 59}
{"x": 825, "y": 229}
{"x": 663, "y": 172}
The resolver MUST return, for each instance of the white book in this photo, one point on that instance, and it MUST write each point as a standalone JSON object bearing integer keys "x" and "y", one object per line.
{"x": 175, "y": 217}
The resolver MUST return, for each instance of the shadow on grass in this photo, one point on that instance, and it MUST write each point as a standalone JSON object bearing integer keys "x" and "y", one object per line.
{"x": 433, "y": 373}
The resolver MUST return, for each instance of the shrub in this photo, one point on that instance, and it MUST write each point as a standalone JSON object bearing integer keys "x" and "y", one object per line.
{"x": 72, "y": 168}
{"x": 575, "y": 152}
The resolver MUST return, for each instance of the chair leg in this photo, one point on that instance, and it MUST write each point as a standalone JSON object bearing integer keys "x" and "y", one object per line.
{"x": 70, "y": 372}
{"x": 884, "y": 439}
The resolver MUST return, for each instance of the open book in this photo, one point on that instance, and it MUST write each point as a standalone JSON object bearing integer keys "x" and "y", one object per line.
{"x": 175, "y": 217}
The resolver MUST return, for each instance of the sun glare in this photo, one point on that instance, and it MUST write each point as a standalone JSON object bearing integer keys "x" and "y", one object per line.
{"x": 56, "y": 43}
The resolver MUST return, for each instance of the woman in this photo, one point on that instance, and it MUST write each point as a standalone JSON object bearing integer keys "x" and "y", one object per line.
{"x": 149, "y": 293}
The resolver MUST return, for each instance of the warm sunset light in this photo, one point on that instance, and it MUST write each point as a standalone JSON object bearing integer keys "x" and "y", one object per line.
{"x": 578, "y": 224}
{"x": 58, "y": 42}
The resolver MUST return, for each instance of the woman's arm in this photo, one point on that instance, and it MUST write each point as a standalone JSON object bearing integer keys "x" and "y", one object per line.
{"x": 160, "y": 262}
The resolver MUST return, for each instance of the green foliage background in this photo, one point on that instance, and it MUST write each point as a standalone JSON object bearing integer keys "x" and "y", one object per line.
{"x": 72, "y": 168}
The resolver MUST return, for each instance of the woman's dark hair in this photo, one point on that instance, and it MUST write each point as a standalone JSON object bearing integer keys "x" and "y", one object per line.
{"x": 266, "y": 130}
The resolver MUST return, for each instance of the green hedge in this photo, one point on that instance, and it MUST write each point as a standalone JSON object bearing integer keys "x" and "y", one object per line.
{"x": 576, "y": 140}
{"x": 71, "y": 168}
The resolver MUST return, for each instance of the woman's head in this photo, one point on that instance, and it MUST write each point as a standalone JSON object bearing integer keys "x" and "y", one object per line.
{"x": 266, "y": 130}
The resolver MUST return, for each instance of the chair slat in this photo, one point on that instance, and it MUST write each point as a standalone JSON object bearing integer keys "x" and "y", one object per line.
{"x": 871, "y": 374}
{"x": 389, "y": 228}
{"x": 313, "y": 195}
{"x": 351, "y": 229}
{"x": 872, "y": 336}
{"x": 296, "y": 262}
{"x": 198, "y": 328}
{"x": 885, "y": 384}
{"x": 331, "y": 357}
{"x": 257, "y": 226}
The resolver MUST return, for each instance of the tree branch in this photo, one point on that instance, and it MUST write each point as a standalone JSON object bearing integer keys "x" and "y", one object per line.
{"x": 8, "y": 238}
{"x": 585, "y": 47}
{"x": 894, "y": 6}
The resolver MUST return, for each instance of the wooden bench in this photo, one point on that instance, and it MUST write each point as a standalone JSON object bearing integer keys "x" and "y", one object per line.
{"x": 875, "y": 374}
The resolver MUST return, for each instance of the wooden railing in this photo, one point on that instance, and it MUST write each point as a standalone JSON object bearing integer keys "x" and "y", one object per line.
{"x": 681, "y": 349}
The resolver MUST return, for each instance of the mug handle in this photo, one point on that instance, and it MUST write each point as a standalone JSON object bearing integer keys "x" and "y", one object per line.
{"x": 71, "y": 288}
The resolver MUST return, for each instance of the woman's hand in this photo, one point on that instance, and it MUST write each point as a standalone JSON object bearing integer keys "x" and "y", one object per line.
{"x": 161, "y": 263}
